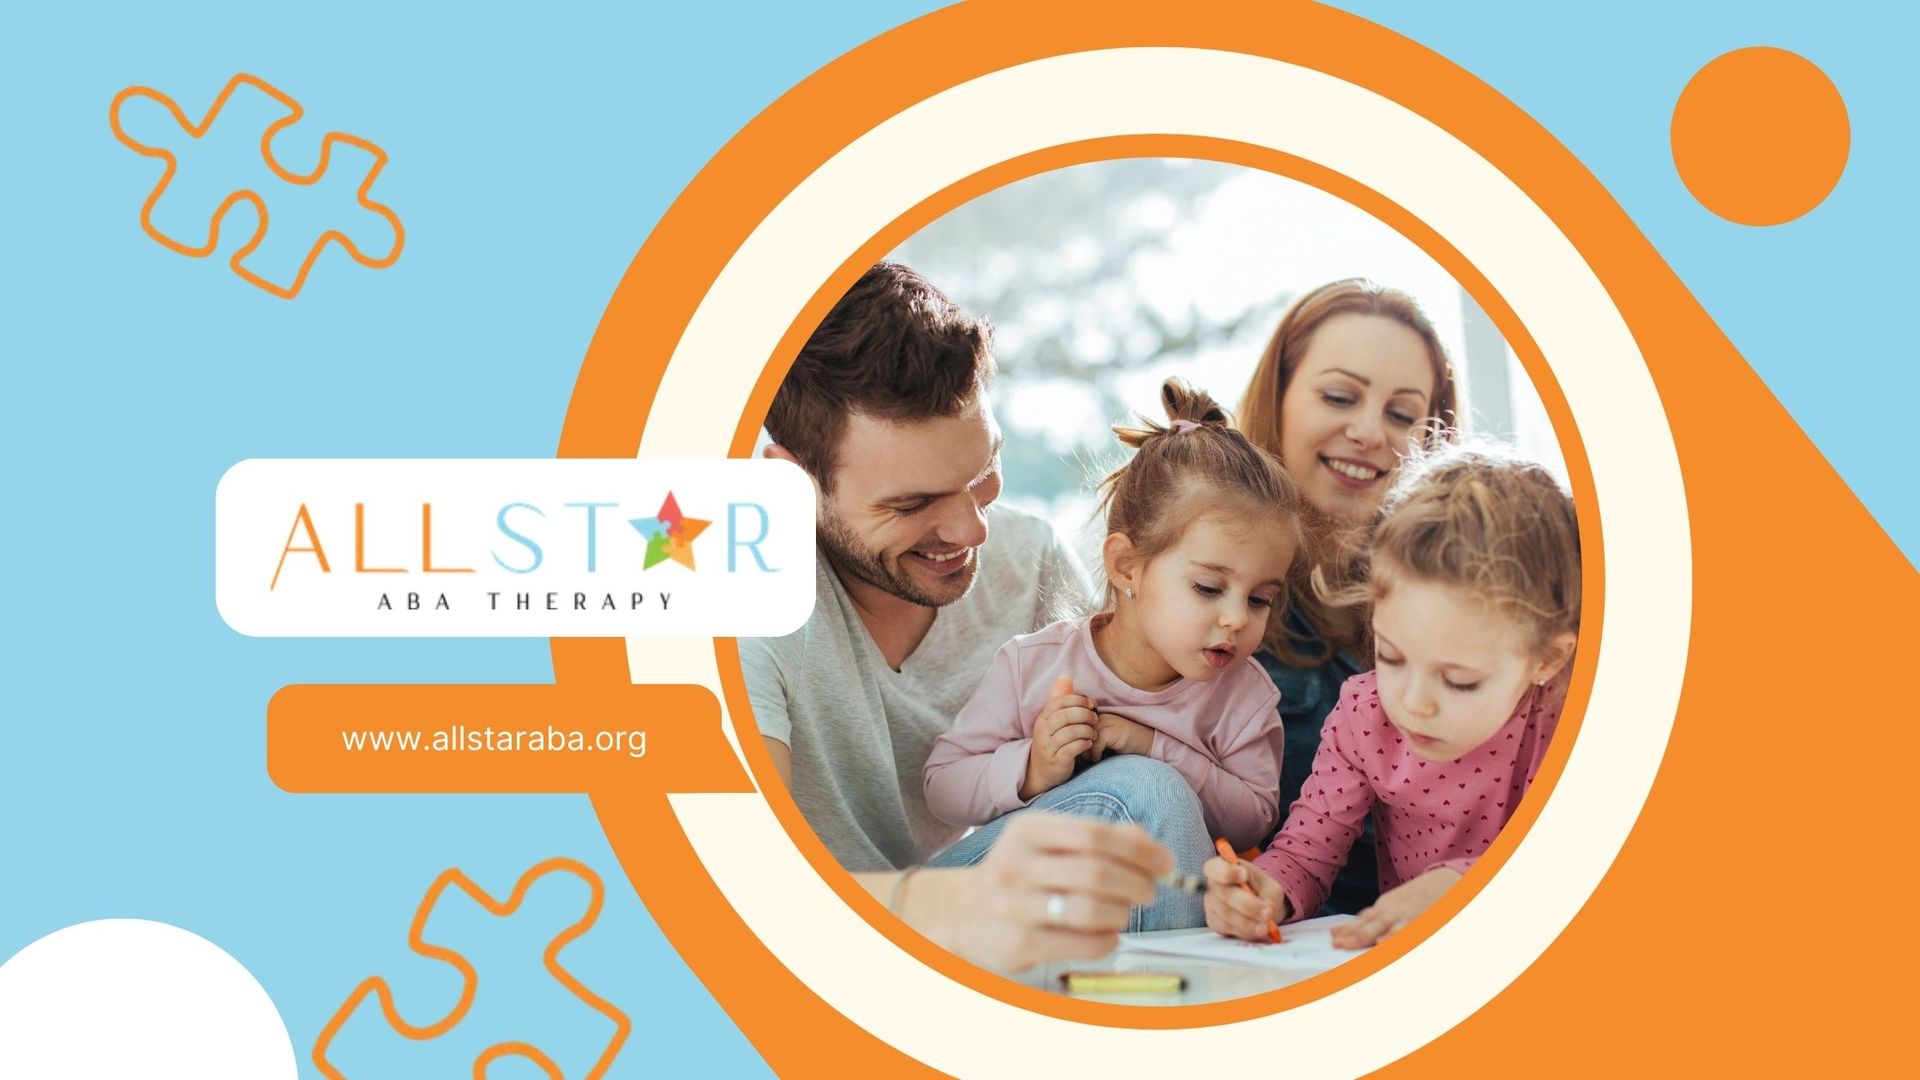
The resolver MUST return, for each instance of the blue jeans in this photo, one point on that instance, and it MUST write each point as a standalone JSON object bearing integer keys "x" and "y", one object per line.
{"x": 1125, "y": 787}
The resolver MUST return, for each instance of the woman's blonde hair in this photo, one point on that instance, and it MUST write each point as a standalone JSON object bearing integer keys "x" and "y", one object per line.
{"x": 1479, "y": 518}
{"x": 1194, "y": 465}
{"x": 1334, "y": 630}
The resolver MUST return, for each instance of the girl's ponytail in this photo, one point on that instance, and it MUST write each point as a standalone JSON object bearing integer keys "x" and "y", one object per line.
{"x": 1194, "y": 464}
{"x": 1187, "y": 408}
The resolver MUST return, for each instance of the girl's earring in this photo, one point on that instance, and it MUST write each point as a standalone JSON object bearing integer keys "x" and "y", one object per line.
{"x": 1128, "y": 591}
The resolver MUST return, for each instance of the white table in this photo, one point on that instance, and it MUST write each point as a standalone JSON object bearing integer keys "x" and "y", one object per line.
{"x": 1207, "y": 980}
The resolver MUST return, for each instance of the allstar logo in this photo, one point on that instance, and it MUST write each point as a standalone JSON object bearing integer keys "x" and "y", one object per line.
{"x": 514, "y": 547}
{"x": 669, "y": 534}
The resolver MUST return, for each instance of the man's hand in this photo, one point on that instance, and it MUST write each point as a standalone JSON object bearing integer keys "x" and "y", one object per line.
{"x": 1063, "y": 732}
{"x": 1053, "y": 888}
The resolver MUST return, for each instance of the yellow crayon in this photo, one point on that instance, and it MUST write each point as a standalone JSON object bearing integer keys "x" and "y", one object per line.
{"x": 1123, "y": 982}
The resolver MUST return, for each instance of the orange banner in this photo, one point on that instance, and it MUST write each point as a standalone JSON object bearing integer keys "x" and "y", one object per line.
{"x": 524, "y": 738}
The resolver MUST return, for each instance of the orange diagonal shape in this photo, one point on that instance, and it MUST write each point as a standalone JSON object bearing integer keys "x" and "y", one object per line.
{"x": 470, "y": 981}
{"x": 259, "y": 204}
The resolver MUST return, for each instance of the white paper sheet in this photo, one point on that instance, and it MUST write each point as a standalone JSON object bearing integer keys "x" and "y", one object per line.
{"x": 1307, "y": 946}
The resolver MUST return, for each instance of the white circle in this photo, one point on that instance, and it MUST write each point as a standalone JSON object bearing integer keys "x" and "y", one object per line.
{"x": 1495, "y": 226}
{"x": 132, "y": 997}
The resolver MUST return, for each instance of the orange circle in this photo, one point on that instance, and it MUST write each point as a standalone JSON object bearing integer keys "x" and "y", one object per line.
{"x": 1760, "y": 136}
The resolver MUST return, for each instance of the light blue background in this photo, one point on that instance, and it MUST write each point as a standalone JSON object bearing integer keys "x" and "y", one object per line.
{"x": 1821, "y": 306}
{"x": 531, "y": 155}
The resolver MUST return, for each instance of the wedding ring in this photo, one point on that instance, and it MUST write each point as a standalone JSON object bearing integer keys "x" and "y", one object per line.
{"x": 1056, "y": 909}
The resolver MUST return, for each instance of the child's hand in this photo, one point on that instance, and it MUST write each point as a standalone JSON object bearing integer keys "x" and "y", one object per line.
{"x": 1235, "y": 912}
{"x": 1395, "y": 908}
{"x": 1115, "y": 734}
{"x": 1063, "y": 732}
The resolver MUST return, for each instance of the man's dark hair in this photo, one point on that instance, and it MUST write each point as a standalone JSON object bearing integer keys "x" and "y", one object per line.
{"x": 894, "y": 348}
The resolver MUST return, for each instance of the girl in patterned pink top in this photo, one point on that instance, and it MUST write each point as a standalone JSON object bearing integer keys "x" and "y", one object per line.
{"x": 1474, "y": 584}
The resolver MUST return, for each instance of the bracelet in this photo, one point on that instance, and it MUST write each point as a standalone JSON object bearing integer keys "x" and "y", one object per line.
{"x": 900, "y": 888}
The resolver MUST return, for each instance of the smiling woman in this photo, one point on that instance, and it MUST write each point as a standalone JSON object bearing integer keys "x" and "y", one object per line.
{"x": 1363, "y": 387}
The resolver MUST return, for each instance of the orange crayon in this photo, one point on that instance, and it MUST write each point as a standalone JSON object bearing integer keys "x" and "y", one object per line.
{"x": 1233, "y": 859}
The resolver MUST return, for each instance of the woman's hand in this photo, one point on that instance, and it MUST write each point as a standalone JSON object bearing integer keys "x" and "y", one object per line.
{"x": 1396, "y": 908}
{"x": 1053, "y": 888}
{"x": 1063, "y": 732}
{"x": 1115, "y": 734}
{"x": 1235, "y": 912}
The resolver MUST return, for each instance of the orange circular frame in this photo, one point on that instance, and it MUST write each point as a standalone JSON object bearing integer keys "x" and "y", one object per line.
{"x": 797, "y": 1031}
{"x": 1177, "y": 146}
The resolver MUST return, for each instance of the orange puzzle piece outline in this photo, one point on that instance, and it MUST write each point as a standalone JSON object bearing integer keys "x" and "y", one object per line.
{"x": 470, "y": 980}
{"x": 259, "y": 204}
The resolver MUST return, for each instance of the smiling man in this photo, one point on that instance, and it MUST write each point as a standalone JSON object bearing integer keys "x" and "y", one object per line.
{"x": 921, "y": 576}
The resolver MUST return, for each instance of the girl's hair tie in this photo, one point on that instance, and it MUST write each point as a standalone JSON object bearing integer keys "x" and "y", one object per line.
{"x": 1181, "y": 427}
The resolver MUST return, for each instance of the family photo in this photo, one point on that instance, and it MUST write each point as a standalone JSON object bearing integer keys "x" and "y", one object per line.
{"x": 1194, "y": 555}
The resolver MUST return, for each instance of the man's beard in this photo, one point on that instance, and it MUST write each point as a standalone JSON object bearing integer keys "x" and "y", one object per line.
{"x": 850, "y": 556}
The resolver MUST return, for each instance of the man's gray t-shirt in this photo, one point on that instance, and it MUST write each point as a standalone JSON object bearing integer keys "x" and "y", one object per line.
{"x": 860, "y": 731}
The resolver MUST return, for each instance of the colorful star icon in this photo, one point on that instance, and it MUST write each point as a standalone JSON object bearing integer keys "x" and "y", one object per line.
{"x": 669, "y": 534}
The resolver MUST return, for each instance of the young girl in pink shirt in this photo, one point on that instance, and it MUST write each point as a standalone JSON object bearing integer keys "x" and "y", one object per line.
{"x": 1153, "y": 710}
{"x": 1474, "y": 584}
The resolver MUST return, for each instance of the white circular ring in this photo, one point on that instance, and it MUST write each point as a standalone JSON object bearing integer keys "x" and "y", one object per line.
{"x": 1056, "y": 909}
{"x": 1524, "y": 256}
